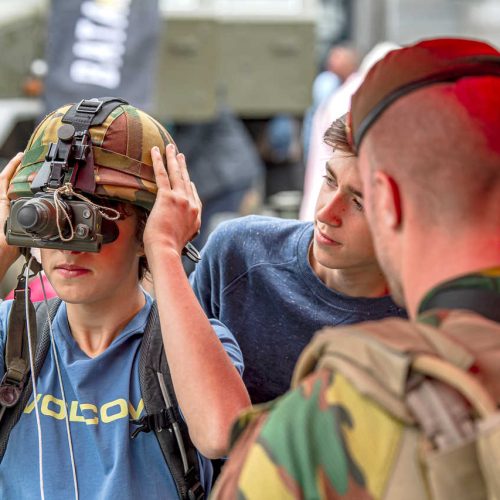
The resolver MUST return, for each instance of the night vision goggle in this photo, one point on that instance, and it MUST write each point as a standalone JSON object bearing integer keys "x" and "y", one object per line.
{"x": 60, "y": 215}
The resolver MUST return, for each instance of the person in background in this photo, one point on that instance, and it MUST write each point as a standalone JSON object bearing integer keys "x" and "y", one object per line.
{"x": 341, "y": 62}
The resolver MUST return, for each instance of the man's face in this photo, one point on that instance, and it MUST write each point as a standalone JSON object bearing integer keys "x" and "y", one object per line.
{"x": 341, "y": 234}
{"x": 84, "y": 277}
{"x": 383, "y": 235}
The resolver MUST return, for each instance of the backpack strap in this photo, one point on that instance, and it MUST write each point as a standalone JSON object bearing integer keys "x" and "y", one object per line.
{"x": 162, "y": 412}
{"x": 17, "y": 363}
{"x": 16, "y": 354}
{"x": 13, "y": 413}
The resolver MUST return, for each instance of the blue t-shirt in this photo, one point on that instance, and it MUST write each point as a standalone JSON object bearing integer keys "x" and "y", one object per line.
{"x": 255, "y": 277}
{"x": 102, "y": 394}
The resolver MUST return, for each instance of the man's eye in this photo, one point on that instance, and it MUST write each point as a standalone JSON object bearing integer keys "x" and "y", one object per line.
{"x": 357, "y": 204}
{"x": 330, "y": 181}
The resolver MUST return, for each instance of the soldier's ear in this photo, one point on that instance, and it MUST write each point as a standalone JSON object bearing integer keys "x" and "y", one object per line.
{"x": 388, "y": 200}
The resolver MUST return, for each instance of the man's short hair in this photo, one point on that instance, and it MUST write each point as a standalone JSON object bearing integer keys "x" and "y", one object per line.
{"x": 336, "y": 136}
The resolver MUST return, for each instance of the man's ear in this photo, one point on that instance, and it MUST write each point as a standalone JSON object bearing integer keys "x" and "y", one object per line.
{"x": 388, "y": 200}
{"x": 140, "y": 251}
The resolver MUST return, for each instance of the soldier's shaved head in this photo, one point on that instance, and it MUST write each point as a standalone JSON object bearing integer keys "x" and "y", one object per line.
{"x": 426, "y": 124}
{"x": 442, "y": 144}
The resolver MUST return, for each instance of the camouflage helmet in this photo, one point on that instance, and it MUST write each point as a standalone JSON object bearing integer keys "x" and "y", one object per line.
{"x": 121, "y": 146}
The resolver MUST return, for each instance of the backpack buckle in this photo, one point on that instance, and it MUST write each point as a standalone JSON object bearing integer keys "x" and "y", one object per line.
{"x": 10, "y": 391}
{"x": 154, "y": 422}
{"x": 196, "y": 492}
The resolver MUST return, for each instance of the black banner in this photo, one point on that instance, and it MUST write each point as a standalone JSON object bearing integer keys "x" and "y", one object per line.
{"x": 101, "y": 48}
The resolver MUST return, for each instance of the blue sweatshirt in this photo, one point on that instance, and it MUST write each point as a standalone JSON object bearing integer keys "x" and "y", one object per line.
{"x": 255, "y": 277}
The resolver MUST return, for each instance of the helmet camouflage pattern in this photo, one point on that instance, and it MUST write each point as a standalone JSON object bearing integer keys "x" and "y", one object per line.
{"x": 121, "y": 146}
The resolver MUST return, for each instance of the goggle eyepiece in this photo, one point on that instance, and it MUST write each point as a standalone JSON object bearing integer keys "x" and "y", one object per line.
{"x": 38, "y": 216}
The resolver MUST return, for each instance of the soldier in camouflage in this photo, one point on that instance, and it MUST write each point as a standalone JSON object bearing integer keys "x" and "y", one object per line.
{"x": 404, "y": 409}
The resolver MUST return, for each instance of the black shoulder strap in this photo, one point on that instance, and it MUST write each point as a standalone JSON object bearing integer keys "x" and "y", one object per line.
{"x": 162, "y": 412}
{"x": 12, "y": 414}
{"x": 485, "y": 302}
{"x": 16, "y": 353}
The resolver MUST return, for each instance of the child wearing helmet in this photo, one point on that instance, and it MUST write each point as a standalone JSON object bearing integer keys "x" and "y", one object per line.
{"x": 74, "y": 435}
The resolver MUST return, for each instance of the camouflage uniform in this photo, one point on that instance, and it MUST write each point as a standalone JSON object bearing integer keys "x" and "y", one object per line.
{"x": 325, "y": 439}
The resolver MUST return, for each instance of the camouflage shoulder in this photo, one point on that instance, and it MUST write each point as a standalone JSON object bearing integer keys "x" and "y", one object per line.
{"x": 316, "y": 441}
{"x": 246, "y": 417}
{"x": 293, "y": 446}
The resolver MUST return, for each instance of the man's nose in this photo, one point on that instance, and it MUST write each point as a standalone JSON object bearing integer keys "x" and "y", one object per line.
{"x": 332, "y": 211}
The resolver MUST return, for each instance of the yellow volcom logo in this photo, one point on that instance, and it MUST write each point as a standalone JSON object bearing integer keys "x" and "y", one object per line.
{"x": 87, "y": 413}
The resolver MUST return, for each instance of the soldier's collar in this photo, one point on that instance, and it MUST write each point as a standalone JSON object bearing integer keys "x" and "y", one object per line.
{"x": 478, "y": 292}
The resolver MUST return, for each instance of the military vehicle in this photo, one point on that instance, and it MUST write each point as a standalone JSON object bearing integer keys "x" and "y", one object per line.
{"x": 256, "y": 56}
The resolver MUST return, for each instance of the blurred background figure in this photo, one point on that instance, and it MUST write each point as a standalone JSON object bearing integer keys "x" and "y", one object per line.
{"x": 226, "y": 168}
{"x": 334, "y": 106}
{"x": 341, "y": 62}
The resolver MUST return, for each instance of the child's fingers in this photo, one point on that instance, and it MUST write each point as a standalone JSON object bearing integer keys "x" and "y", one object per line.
{"x": 6, "y": 176}
{"x": 161, "y": 175}
{"x": 174, "y": 169}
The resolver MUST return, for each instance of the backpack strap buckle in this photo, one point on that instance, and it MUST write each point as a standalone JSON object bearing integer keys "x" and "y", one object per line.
{"x": 191, "y": 252}
{"x": 164, "y": 419}
{"x": 196, "y": 491}
{"x": 10, "y": 389}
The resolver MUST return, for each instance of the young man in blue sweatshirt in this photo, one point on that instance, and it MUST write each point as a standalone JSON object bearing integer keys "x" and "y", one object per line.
{"x": 275, "y": 282}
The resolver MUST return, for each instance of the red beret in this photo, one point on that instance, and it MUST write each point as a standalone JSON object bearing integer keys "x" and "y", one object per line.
{"x": 404, "y": 70}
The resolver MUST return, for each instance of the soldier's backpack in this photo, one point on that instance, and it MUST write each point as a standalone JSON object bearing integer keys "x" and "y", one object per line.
{"x": 423, "y": 375}
{"x": 160, "y": 404}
